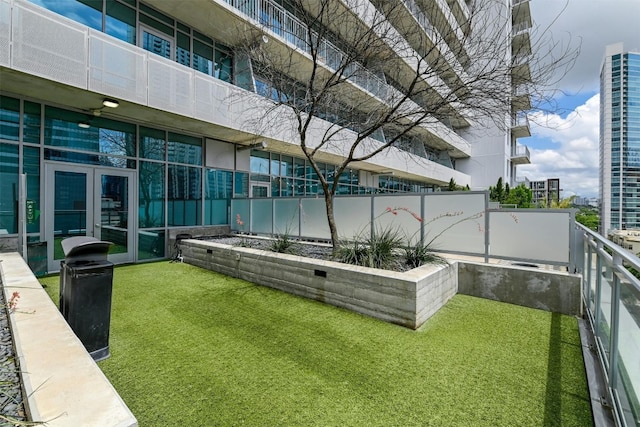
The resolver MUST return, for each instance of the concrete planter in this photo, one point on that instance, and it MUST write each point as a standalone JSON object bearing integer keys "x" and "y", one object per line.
{"x": 406, "y": 299}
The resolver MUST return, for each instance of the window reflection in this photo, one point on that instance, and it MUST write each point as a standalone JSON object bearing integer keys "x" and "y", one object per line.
{"x": 151, "y": 195}
{"x": 9, "y": 118}
{"x": 87, "y": 12}
{"x": 8, "y": 188}
{"x": 121, "y": 22}
{"x": 152, "y": 143}
{"x": 184, "y": 149}
{"x": 184, "y": 194}
{"x": 218, "y": 189}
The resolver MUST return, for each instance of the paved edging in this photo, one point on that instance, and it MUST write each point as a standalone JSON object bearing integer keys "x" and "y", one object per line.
{"x": 63, "y": 385}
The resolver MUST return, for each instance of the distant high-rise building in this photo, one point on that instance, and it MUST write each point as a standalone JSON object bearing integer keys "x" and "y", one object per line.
{"x": 620, "y": 139}
{"x": 546, "y": 191}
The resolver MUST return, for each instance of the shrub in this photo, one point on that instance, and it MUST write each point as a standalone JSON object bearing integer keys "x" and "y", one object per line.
{"x": 420, "y": 254}
{"x": 378, "y": 251}
{"x": 283, "y": 244}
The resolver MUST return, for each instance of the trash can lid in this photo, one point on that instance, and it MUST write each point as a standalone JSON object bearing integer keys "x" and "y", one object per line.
{"x": 82, "y": 246}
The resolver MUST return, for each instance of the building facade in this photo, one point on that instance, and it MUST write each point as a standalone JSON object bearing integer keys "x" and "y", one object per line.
{"x": 545, "y": 192}
{"x": 620, "y": 140}
{"x": 129, "y": 120}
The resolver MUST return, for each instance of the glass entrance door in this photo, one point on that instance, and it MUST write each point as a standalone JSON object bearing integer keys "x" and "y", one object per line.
{"x": 85, "y": 201}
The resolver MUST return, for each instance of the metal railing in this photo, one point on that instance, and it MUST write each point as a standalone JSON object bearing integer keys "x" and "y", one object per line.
{"x": 611, "y": 292}
{"x": 288, "y": 26}
{"x": 521, "y": 151}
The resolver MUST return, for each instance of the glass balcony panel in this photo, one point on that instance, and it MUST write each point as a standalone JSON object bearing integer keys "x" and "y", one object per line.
{"x": 287, "y": 216}
{"x": 628, "y": 350}
{"x": 603, "y": 328}
{"x": 262, "y": 216}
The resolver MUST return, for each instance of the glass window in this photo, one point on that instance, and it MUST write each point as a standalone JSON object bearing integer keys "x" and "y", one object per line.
{"x": 224, "y": 65}
{"x": 151, "y": 244}
{"x": 120, "y": 22}
{"x": 202, "y": 57}
{"x": 259, "y": 162}
{"x": 286, "y": 165}
{"x": 275, "y": 164}
{"x": 218, "y": 192}
{"x": 184, "y": 149}
{"x": 155, "y": 43}
{"x": 241, "y": 184}
{"x": 152, "y": 143}
{"x": 298, "y": 166}
{"x": 31, "y": 167}
{"x": 31, "y": 122}
{"x": 103, "y": 135}
{"x": 183, "y": 50}
{"x": 157, "y": 15}
{"x": 9, "y": 118}
{"x": 87, "y": 12}
{"x": 8, "y": 188}
{"x": 184, "y": 196}
{"x": 151, "y": 195}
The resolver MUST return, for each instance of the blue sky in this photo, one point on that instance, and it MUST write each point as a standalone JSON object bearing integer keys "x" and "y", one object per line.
{"x": 564, "y": 143}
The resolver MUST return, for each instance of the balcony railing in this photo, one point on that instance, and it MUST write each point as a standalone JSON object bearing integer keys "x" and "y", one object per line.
{"x": 289, "y": 27}
{"x": 612, "y": 299}
{"x": 520, "y": 154}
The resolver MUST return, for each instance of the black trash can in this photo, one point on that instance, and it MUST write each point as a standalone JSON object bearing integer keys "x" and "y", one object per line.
{"x": 86, "y": 281}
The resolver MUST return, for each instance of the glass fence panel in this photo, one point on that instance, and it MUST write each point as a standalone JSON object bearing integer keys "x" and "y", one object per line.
{"x": 603, "y": 327}
{"x": 240, "y": 209}
{"x": 455, "y": 222}
{"x": 510, "y": 228}
{"x": 353, "y": 217}
{"x": 628, "y": 350}
{"x": 314, "y": 219}
{"x": 262, "y": 216}
{"x": 401, "y": 213}
{"x": 287, "y": 217}
{"x": 594, "y": 276}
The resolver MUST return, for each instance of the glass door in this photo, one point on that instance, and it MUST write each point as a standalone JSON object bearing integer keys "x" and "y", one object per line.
{"x": 156, "y": 42}
{"x": 113, "y": 215}
{"x": 86, "y": 201}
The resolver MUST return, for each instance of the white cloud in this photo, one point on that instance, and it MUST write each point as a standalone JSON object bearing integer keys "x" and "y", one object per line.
{"x": 594, "y": 23}
{"x": 573, "y": 155}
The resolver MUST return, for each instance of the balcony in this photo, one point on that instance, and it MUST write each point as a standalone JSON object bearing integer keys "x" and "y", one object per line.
{"x": 521, "y": 12}
{"x": 520, "y": 155}
{"x": 520, "y": 40}
{"x": 520, "y": 126}
{"x": 520, "y": 70}
{"x": 520, "y": 99}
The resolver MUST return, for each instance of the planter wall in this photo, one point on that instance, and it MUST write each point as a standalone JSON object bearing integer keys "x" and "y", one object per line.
{"x": 407, "y": 299}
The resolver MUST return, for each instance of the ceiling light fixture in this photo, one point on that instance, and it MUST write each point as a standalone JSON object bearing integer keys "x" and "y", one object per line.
{"x": 111, "y": 103}
{"x": 84, "y": 125}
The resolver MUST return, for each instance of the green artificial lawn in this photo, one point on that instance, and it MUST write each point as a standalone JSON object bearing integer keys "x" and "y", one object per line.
{"x": 194, "y": 348}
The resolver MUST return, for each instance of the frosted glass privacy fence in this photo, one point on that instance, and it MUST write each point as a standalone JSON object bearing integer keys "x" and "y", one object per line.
{"x": 612, "y": 301}
{"x": 453, "y": 222}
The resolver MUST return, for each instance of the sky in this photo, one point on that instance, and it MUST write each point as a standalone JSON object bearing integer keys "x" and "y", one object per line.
{"x": 564, "y": 141}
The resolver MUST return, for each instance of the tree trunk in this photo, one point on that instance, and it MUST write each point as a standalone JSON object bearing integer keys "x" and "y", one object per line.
{"x": 328, "y": 198}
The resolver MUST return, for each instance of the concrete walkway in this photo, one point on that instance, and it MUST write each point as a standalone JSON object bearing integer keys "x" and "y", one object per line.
{"x": 65, "y": 387}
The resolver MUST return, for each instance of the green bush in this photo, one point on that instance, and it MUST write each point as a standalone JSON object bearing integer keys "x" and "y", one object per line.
{"x": 420, "y": 254}
{"x": 378, "y": 251}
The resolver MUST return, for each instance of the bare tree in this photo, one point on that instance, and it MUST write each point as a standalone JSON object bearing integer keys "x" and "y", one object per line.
{"x": 379, "y": 83}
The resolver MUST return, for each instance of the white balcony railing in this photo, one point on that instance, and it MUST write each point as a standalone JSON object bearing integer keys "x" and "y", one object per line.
{"x": 283, "y": 23}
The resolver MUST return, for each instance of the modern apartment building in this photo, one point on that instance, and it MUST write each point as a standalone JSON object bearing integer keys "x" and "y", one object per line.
{"x": 130, "y": 120}
{"x": 546, "y": 191}
{"x": 620, "y": 140}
